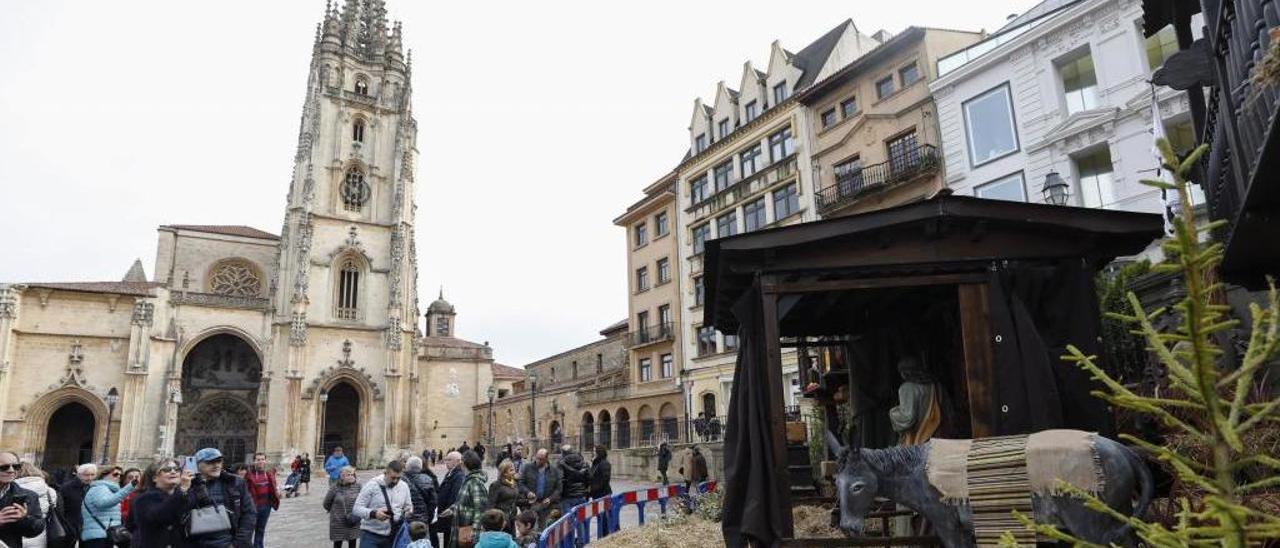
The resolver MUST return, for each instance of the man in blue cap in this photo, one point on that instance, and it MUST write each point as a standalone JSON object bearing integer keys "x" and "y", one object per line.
{"x": 213, "y": 487}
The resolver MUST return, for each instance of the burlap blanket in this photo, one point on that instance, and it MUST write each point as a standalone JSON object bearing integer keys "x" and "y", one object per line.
{"x": 1050, "y": 455}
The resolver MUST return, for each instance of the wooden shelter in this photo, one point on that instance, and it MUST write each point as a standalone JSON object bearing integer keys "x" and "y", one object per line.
{"x": 988, "y": 292}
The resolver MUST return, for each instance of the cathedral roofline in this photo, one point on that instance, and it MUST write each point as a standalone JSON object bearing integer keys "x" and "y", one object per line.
{"x": 141, "y": 289}
{"x": 226, "y": 230}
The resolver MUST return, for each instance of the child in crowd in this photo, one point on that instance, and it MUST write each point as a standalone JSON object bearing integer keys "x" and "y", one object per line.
{"x": 418, "y": 535}
{"x": 527, "y": 529}
{"x": 492, "y": 523}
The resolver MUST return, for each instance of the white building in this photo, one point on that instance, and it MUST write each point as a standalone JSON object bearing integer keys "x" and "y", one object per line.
{"x": 1062, "y": 88}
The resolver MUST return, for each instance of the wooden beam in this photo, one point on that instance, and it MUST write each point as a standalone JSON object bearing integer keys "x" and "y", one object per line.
{"x": 777, "y": 410}
{"x": 979, "y": 358}
{"x": 875, "y": 283}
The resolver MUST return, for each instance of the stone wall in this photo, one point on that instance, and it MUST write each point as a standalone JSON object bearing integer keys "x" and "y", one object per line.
{"x": 641, "y": 464}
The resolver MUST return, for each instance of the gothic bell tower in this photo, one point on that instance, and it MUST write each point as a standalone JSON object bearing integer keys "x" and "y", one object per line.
{"x": 346, "y": 274}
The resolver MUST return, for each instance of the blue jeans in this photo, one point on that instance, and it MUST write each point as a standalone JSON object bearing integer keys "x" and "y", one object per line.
{"x": 260, "y": 530}
{"x": 569, "y": 503}
{"x": 374, "y": 540}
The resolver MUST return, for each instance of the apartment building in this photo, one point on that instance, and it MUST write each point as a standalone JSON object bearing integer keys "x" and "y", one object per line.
{"x": 1056, "y": 107}
{"x": 746, "y": 170}
{"x": 874, "y": 131}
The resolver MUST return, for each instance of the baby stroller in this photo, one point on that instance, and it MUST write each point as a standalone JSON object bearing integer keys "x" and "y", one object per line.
{"x": 291, "y": 484}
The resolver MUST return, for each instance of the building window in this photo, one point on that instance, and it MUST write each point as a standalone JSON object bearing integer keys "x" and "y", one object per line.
{"x": 236, "y": 278}
{"x": 646, "y": 369}
{"x": 786, "y": 201}
{"x": 781, "y": 145}
{"x": 1097, "y": 189}
{"x": 698, "y": 190}
{"x": 904, "y": 152}
{"x": 848, "y": 169}
{"x": 642, "y": 319}
{"x": 700, "y": 143}
{"x": 1079, "y": 83}
{"x": 575, "y": 369}
{"x": 829, "y": 118}
{"x": 661, "y": 225}
{"x": 599, "y": 363}
{"x": 730, "y": 343}
{"x": 698, "y": 291}
{"x": 749, "y": 161}
{"x": 848, "y": 107}
{"x": 664, "y": 319}
{"x": 642, "y": 234}
{"x": 1009, "y": 187}
{"x": 664, "y": 270}
{"x": 989, "y": 126}
{"x": 723, "y": 174}
{"x": 357, "y": 130}
{"x": 909, "y": 74}
{"x": 779, "y": 93}
{"x": 727, "y": 224}
{"x": 349, "y": 290}
{"x": 642, "y": 279}
{"x": 753, "y": 216}
{"x": 701, "y": 234}
{"x": 751, "y": 111}
{"x": 1182, "y": 137}
{"x": 706, "y": 340}
{"x": 362, "y": 86}
{"x": 442, "y": 326}
{"x": 668, "y": 365}
{"x": 724, "y": 128}
{"x": 884, "y": 87}
{"x": 1160, "y": 46}
{"x": 553, "y": 374}
{"x": 355, "y": 191}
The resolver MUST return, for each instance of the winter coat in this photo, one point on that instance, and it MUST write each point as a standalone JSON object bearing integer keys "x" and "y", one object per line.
{"x": 236, "y": 499}
{"x": 450, "y": 487}
{"x": 338, "y": 502}
{"x": 473, "y": 500}
{"x": 157, "y": 519}
{"x": 505, "y": 497}
{"x": 371, "y": 499}
{"x": 31, "y": 526}
{"x": 422, "y": 492}
{"x": 72, "y": 493}
{"x": 334, "y": 465}
{"x": 48, "y": 501}
{"x": 664, "y": 459}
{"x": 496, "y": 539}
{"x": 102, "y": 501}
{"x": 601, "y": 475}
{"x": 575, "y": 476}
{"x": 529, "y": 482}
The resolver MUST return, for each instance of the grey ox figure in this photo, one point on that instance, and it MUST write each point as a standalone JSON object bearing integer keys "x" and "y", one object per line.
{"x": 899, "y": 474}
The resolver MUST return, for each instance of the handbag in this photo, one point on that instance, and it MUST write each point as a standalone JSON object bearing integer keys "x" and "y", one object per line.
{"x": 208, "y": 519}
{"x": 466, "y": 537}
{"x": 118, "y": 535}
{"x": 57, "y": 532}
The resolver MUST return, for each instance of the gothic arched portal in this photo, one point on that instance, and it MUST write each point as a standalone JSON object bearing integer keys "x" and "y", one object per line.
{"x": 341, "y": 421}
{"x": 70, "y": 437}
{"x": 220, "y": 377}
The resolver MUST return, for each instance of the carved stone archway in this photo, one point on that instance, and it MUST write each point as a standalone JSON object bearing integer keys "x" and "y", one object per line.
{"x": 41, "y": 412}
{"x": 366, "y": 392}
{"x": 221, "y": 377}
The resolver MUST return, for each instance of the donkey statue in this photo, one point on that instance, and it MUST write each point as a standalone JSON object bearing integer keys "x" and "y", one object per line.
{"x": 901, "y": 475}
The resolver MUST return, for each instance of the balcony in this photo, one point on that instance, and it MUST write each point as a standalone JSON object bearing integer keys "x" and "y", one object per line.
{"x": 647, "y": 335}
{"x": 747, "y": 186}
{"x": 916, "y": 162}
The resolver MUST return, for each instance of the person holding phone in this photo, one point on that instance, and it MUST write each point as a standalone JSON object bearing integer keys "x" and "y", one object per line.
{"x": 20, "y": 515}
{"x": 382, "y": 505}
{"x": 156, "y": 514}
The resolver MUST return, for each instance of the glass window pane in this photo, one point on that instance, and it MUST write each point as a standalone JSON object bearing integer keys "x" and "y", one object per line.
{"x": 1079, "y": 84}
{"x": 848, "y": 107}
{"x": 1005, "y": 188}
{"x": 989, "y": 125}
{"x": 829, "y": 118}
{"x": 884, "y": 87}
{"x": 1160, "y": 46}
{"x": 909, "y": 74}
{"x": 1097, "y": 188}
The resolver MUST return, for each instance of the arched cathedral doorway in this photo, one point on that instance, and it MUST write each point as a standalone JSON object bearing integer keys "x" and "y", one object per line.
{"x": 341, "y": 421}
{"x": 220, "y": 379}
{"x": 70, "y": 436}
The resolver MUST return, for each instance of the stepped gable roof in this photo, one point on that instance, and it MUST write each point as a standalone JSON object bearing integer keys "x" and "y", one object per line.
{"x": 506, "y": 372}
{"x": 140, "y": 289}
{"x": 228, "y": 230}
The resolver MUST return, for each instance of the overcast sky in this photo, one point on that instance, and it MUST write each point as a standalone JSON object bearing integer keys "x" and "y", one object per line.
{"x": 539, "y": 123}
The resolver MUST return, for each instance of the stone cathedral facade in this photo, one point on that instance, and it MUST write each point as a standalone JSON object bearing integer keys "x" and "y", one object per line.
{"x": 250, "y": 341}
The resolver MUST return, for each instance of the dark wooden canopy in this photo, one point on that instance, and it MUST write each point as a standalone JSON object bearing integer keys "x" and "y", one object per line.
{"x": 948, "y": 235}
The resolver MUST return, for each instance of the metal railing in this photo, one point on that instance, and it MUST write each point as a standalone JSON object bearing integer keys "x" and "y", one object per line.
{"x": 631, "y": 434}
{"x": 914, "y": 162}
{"x": 650, "y": 334}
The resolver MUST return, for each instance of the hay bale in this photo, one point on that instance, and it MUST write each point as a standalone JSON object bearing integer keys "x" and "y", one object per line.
{"x": 814, "y": 522}
{"x": 693, "y": 532}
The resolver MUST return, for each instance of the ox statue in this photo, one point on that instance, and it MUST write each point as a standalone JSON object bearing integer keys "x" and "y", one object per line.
{"x": 904, "y": 475}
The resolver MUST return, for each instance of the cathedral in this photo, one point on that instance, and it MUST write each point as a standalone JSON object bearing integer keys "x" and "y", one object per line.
{"x": 256, "y": 342}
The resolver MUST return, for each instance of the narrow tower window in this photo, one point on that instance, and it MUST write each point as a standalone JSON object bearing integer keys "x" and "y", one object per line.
{"x": 362, "y": 86}
{"x": 357, "y": 130}
{"x": 348, "y": 290}
{"x": 355, "y": 192}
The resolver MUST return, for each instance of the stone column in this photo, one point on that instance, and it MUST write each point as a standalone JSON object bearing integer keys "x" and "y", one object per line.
{"x": 133, "y": 397}
{"x": 9, "y": 300}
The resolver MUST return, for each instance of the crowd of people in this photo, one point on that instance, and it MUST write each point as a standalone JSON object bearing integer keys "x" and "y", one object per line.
{"x": 194, "y": 502}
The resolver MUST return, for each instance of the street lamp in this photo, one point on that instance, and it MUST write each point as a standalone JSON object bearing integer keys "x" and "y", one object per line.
{"x": 493, "y": 392}
{"x": 686, "y": 393}
{"x": 113, "y": 397}
{"x": 324, "y": 401}
{"x": 1055, "y": 189}
{"x": 533, "y": 407}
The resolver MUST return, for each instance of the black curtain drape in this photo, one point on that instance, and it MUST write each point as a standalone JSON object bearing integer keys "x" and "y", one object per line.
{"x": 749, "y": 509}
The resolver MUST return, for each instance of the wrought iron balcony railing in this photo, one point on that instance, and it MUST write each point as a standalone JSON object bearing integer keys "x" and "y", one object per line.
{"x": 908, "y": 165}
{"x": 650, "y": 334}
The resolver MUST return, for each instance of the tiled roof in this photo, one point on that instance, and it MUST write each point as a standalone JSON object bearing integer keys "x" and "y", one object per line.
{"x": 141, "y": 289}
{"x": 614, "y": 327}
{"x": 450, "y": 342}
{"x": 506, "y": 372}
{"x": 229, "y": 230}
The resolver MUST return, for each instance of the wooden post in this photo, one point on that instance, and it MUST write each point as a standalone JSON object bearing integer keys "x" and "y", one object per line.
{"x": 777, "y": 411}
{"x": 979, "y": 359}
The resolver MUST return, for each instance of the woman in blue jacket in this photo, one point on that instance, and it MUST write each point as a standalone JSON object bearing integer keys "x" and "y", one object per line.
{"x": 101, "y": 511}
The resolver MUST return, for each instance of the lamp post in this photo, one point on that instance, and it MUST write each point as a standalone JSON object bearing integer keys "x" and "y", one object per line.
{"x": 533, "y": 409}
{"x": 686, "y": 392}
{"x": 1055, "y": 189}
{"x": 324, "y": 405}
{"x": 113, "y": 397}
{"x": 493, "y": 392}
